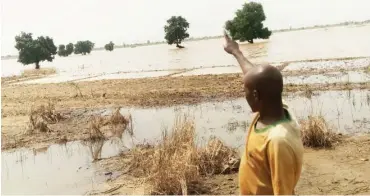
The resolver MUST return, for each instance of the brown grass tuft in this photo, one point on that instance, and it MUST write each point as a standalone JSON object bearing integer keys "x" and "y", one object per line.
{"x": 117, "y": 122}
{"x": 316, "y": 133}
{"x": 41, "y": 116}
{"x": 95, "y": 123}
{"x": 177, "y": 165}
{"x": 217, "y": 158}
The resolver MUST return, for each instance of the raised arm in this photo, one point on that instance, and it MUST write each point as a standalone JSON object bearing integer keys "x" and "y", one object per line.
{"x": 232, "y": 47}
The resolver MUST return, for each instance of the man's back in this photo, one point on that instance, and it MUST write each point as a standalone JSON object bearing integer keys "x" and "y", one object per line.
{"x": 272, "y": 161}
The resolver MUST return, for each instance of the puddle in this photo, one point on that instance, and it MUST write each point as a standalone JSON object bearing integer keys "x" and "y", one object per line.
{"x": 59, "y": 169}
{"x": 345, "y": 64}
{"x": 330, "y": 77}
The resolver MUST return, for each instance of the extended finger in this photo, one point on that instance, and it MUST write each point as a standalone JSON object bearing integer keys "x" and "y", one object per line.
{"x": 226, "y": 36}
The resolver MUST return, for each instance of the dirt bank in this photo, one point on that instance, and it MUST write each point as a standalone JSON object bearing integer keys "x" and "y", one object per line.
{"x": 147, "y": 92}
{"x": 342, "y": 170}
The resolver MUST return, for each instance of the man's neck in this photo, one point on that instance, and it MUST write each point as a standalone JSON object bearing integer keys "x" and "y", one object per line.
{"x": 271, "y": 114}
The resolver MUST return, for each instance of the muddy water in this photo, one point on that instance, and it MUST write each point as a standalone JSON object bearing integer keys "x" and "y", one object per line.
{"x": 58, "y": 169}
{"x": 69, "y": 168}
{"x": 349, "y": 111}
{"x": 329, "y": 77}
{"x": 345, "y": 41}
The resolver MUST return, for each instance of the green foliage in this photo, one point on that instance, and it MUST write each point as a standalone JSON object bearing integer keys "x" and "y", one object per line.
{"x": 247, "y": 24}
{"x": 69, "y": 48}
{"x": 175, "y": 30}
{"x": 62, "y": 50}
{"x": 65, "y": 50}
{"x": 109, "y": 46}
{"x": 83, "y": 47}
{"x": 34, "y": 50}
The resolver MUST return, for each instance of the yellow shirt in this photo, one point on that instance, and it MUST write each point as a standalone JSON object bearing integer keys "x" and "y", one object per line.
{"x": 272, "y": 161}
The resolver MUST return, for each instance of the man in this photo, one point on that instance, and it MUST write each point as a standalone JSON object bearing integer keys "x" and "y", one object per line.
{"x": 272, "y": 161}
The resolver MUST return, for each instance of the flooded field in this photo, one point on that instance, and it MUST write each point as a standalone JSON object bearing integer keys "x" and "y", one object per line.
{"x": 70, "y": 168}
{"x": 332, "y": 71}
{"x": 321, "y": 43}
{"x": 328, "y": 75}
{"x": 58, "y": 169}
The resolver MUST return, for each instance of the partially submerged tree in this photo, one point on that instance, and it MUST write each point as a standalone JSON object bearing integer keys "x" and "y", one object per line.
{"x": 83, "y": 47}
{"x": 175, "y": 30}
{"x": 247, "y": 24}
{"x": 109, "y": 46}
{"x": 69, "y": 48}
{"x": 65, "y": 50}
{"x": 62, "y": 50}
{"x": 34, "y": 50}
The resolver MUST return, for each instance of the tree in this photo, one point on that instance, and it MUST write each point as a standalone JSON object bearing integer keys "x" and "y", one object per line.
{"x": 247, "y": 24}
{"x": 69, "y": 48}
{"x": 83, "y": 47}
{"x": 34, "y": 50}
{"x": 175, "y": 30}
{"x": 109, "y": 46}
{"x": 65, "y": 50}
{"x": 62, "y": 50}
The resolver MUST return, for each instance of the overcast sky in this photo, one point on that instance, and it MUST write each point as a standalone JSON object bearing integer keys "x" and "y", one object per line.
{"x": 131, "y": 21}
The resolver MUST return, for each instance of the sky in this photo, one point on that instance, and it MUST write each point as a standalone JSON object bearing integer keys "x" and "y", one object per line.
{"x": 132, "y": 21}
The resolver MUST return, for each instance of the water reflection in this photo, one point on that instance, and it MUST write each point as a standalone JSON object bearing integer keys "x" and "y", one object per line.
{"x": 59, "y": 169}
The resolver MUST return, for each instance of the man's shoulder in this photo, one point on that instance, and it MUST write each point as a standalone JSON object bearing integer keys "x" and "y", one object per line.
{"x": 285, "y": 132}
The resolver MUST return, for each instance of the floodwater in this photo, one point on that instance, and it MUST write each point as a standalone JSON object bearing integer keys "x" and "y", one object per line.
{"x": 334, "y": 42}
{"x": 59, "y": 169}
{"x": 69, "y": 168}
{"x": 329, "y": 77}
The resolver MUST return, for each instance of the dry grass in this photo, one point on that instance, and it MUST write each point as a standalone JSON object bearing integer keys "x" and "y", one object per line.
{"x": 41, "y": 116}
{"x": 217, "y": 158}
{"x": 38, "y": 72}
{"x": 177, "y": 165}
{"x": 316, "y": 133}
{"x": 118, "y": 124}
{"x": 95, "y": 123}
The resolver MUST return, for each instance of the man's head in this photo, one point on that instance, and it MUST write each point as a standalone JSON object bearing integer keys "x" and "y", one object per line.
{"x": 263, "y": 87}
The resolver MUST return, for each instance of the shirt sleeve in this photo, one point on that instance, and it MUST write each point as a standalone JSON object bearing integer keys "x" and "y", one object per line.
{"x": 282, "y": 166}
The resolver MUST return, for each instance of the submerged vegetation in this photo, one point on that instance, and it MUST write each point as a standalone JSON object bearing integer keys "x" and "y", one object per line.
{"x": 41, "y": 116}
{"x": 177, "y": 164}
{"x": 316, "y": 133}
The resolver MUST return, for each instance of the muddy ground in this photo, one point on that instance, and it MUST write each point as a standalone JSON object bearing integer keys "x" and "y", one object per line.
{"x": 343, "y": 170}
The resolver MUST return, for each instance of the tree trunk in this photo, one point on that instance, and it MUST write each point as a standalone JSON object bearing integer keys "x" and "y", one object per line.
{"x": 37, "y": 65}
{"x": 177, "y": 45}
{"x": 250, "y": 41}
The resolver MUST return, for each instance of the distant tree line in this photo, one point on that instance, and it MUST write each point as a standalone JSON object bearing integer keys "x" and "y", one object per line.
{"x": 246, "y": 26}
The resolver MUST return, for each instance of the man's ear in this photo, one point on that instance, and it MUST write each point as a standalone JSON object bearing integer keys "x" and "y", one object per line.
{"x": 255, "y": 95}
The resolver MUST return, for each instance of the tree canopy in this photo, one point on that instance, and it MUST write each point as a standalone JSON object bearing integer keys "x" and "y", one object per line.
{"x": 65, "y": 50}
{"x": 69, "y": 48}
{"x": 175, "y": 30}
{"x": 83, "y": 47}
{"x": 247, "y": 24}
{"x": 62, "y": 50}
{"x": 34, "y": 50}
{"x": 109, "y": 46}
